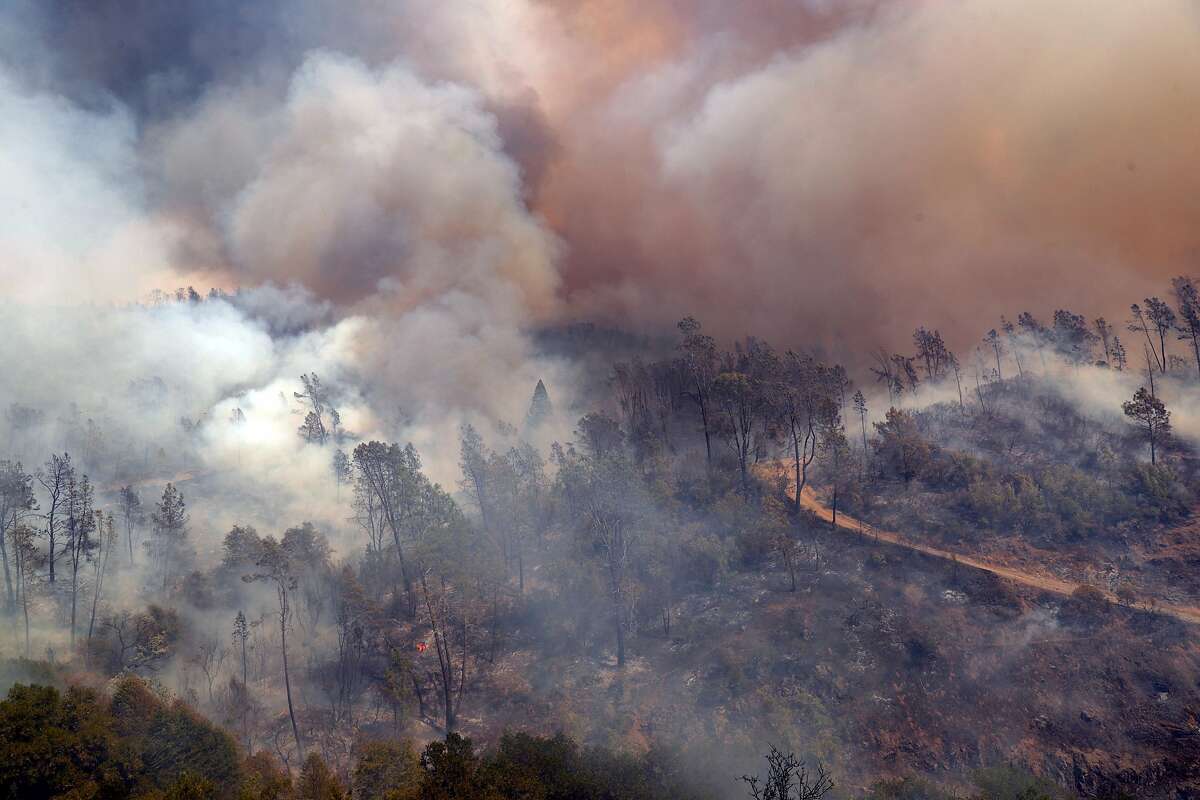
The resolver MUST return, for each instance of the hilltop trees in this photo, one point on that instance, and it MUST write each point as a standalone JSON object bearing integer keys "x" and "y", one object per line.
{"x": 1072, "y": 337}
{"x": 322, "y": 423}
{"x": 932, "y": 352}
{"x": 1162, "y": 321}
{"x": 1140, "y": 321}
{"x": 1187, "y": 300}
{"x": 1149, "y": 414}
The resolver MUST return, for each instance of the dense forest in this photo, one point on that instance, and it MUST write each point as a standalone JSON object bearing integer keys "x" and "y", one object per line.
{"x": 672, "y": 576}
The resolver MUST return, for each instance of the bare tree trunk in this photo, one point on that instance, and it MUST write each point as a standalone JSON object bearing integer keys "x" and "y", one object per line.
{"x": 1149, "y": 341}
{"x": 520, "y": 568}
{"x": 74, "y": 596}
{"x": 246, "y": 699}
{"x": 615, "y": 591}
{"x": 796, "y": 456}
{"x": 445, "y": 663}
{"x": 287, "y": 681}
{"x": 1150, "y": 373}
{"x": 8, "y": 583}
{"x": 791, "y": 564}
{"x": 101, "y": 567}
{"x": 23, "y": 581}
{"x": 620, "y": 634}
{"x": 863, "y": 419}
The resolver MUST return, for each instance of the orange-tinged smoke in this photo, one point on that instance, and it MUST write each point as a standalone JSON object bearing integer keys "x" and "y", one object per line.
{"x": 846, "y": 174}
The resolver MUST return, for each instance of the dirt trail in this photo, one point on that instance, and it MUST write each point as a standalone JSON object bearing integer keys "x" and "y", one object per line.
{"x": 1043, "y": 582}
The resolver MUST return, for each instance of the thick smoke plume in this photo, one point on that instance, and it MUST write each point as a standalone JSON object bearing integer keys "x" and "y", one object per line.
{"x": 863, "y": 166}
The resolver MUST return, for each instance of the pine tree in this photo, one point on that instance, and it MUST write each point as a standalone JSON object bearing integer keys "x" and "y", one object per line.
{"x": 170, "y": 529}
{"x": 540, "y": 408}
{"x": 1149, "y": 413}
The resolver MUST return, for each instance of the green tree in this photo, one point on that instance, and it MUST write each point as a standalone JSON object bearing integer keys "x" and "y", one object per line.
{"x": 1187, "y": 300}
{"x": 56, "y": 745}
{"x": 387, "y": 771}
{"x": 317, "y": 781}
{"x": 170, "y": 520}
{"x": 451, "y": 770}
{"x": 1150, "y": 415}
{"x": 900, "y": 449}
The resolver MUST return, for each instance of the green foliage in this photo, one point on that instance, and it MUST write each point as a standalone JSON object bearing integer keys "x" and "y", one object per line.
{"x": 452, "y": 770}
{"x": 701, "y": 558}
{"x": 179, "y": 739}
{"x": 79, "y": 744}
{"x": 556, "y": 768}
{"x": 1061, "y": 502}
{"x": 996, "y": 783}
{"x": 386, "y": 771}
{"x": 190, "y": 786}
{"x": 317, "y": 781}
{"x": 264, "y": 779}
{"x": 1009, "y": 783}
{"x": 1157, "y": 492}
{"x": 907, "y": 789}
{"x": 901, "y": 451}
{"x": 59, "y": 745}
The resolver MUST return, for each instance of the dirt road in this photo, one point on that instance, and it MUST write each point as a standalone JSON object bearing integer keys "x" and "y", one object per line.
{"x": 1042, "y": 582}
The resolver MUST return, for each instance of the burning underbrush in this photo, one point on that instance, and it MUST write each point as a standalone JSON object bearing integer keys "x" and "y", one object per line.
{"x": 882, "y": 663}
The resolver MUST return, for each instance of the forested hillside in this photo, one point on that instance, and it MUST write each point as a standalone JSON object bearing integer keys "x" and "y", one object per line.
{"x": 654, "y": 580}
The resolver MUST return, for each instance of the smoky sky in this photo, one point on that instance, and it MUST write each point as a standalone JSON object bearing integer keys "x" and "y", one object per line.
{"x": 831, "y": 171}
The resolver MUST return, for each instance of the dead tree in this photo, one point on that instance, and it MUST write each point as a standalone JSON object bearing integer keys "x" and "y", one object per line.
{"x": 788, "y": 778}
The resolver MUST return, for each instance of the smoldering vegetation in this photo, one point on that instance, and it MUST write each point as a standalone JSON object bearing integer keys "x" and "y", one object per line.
{"x": 632, "y": 558}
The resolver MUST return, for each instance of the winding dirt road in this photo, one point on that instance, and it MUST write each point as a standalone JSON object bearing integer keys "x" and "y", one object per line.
{"x": 1041, "y": 582}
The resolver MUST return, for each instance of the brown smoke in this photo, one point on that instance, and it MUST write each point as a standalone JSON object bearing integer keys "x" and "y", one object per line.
{"x": 851, "y": 174}
{"x": 810, "y": 170}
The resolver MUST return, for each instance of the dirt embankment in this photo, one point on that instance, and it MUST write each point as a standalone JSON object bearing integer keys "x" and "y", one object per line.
{"x": 809, "y": 500}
